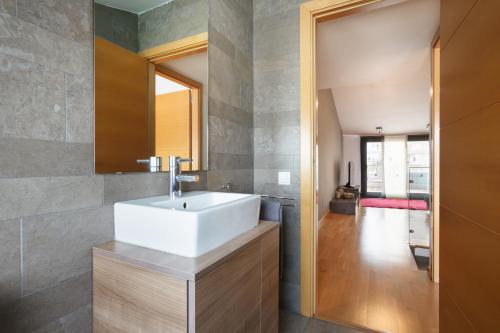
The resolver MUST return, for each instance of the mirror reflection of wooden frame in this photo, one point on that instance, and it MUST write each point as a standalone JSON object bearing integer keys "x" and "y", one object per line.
{"x": 195, "y": 113}
{"x": 116, "y": 128}
{"x": 164, "y": 53}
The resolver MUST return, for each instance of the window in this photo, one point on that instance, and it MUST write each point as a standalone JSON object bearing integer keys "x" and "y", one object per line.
{"x": 418, "y": 167}
{"x": 374, "y": 167}
{"x": 395, "y": 166}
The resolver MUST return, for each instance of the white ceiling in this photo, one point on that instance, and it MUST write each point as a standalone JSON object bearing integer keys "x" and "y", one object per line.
{"x": 166, "y": 86}
{"x": 133, "y": 6}
{"x": 194, "y": 66}
{"x": 378, "y": 66}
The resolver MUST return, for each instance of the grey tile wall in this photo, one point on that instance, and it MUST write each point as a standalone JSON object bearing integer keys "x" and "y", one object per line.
{"x": 8, "y": 6}
{"x": 10, "y": 261}
{"x": 79, "y": 108}
{"x": 32, "y": 100}
{"x": 117, "y": 26}
{"x": 53, "y": 208}
{"x": 277, "y": 124}
{"x": 230, "y": 90}
{"x": 166, "y": 23}
{"x": 70, "y": 19}
{"x": 65, "y": 303}
{"x": 21, "y": 197}
{"x": 22, "y": 157}
{"x": 27, "y": 41}
{"x": 134, "y": 186}
{"x": 56, "y": 246}
{"x": 172, "y": 21}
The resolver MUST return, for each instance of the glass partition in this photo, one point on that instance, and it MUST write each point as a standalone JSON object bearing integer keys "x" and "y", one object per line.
{"x": 419, "y": 210}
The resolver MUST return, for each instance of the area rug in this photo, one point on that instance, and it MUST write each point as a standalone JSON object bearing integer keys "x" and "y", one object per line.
{"x": 394, "y": 203}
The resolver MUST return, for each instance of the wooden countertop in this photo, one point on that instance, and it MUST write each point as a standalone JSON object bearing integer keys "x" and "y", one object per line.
{"x": 182, "y": 267}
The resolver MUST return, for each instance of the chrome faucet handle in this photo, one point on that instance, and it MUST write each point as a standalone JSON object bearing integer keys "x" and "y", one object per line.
{"x": 228, "y": 187}
{"x": 154, "y": 163}
{"x": 176, "y": 177}
{"x": 180, "y": 160}
{"x": 174, "y": 162}
{"x": 187, "y": 178}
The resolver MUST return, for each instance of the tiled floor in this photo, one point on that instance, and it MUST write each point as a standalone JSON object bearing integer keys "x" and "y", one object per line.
{"x": 295, "y": 323}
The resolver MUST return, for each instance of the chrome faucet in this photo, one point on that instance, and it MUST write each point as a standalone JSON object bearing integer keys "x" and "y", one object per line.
{"x": 227, "y": 188}
{"x": 176, "y": 176}
{"x": 154, "y": 163}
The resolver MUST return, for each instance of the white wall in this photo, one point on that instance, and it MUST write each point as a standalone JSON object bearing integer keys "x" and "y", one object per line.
{"x": 351, "y": 151}
{"x": 329, "y": 149}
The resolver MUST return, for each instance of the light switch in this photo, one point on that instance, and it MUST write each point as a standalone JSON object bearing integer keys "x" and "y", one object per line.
{"x": 284, "y": 178}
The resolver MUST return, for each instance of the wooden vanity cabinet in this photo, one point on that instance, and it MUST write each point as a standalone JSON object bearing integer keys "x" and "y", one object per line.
{"x": 233, "y": 288}
{"x": 130, "y": 298}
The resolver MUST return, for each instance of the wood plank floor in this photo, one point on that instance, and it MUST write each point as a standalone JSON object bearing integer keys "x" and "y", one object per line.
{"x": 367, "y": 275}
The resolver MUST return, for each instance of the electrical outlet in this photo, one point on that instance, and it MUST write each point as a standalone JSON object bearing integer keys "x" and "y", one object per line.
{"x": 284, "y": 178}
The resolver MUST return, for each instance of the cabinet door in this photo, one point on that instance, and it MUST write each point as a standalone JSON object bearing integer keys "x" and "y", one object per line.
{"x": 228, "y": 298}
{"x": 133, "y": 299}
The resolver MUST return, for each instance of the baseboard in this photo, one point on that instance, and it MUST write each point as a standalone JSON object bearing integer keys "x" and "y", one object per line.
{"x": 351, "y": 325}
{"x": 322, "y": 221}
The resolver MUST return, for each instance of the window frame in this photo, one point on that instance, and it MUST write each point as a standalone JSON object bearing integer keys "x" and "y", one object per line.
{"x": 364, "y": 163}
{"x": 419, "y": 137}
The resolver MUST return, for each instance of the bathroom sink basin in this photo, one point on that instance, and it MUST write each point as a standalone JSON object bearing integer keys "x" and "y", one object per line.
{"x": 187, "y": 226}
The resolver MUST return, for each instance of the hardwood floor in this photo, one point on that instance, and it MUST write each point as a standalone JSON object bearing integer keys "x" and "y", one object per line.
{"x": 367, "y": 275}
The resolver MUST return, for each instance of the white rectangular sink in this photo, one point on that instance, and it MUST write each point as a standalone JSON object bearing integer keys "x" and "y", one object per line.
{"x": 187, "y": 226}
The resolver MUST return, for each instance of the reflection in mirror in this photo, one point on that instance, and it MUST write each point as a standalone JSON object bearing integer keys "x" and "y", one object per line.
{"x": 180, "y": 101}
{"x": 150, "y": 89}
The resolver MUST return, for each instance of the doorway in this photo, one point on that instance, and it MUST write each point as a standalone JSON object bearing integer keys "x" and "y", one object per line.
{"x": 178, "y": 105}
{"x": 312, "y": 13}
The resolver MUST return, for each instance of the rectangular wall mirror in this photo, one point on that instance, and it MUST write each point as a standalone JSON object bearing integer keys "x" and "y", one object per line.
{"x": 151, "y": 80}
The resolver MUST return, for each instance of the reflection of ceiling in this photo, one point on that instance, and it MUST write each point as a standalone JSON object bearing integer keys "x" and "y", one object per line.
{"x": 378, "y": 66}
{"x": 194, "y": 66}
{"x": 166, "y": 86}
{"x": 133, "y": 6}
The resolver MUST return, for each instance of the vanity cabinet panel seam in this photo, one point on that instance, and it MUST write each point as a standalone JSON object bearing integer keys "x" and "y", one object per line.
{"x": 214, "y": 266}
{"x": 230, "y": 288}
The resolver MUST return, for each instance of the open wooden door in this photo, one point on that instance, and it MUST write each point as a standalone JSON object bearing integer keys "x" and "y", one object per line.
{"x": 469, "y": 286}
{"x": 121, "y": 109}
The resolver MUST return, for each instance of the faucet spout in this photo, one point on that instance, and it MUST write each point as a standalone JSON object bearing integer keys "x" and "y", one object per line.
{"x": 176, "y": 176}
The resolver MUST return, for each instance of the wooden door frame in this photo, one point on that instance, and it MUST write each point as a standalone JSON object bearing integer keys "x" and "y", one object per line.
{"x": 192, "y": 85}
{"x": 435, "y": 137}
{"x": 311, "y": 13}
{"x": 168, "y": 51}
{"x": 176, "y": 49}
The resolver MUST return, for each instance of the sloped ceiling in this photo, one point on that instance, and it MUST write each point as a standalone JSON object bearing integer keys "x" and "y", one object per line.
{"x": 133, "y": 6}
{"x": 378, "y": 66}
